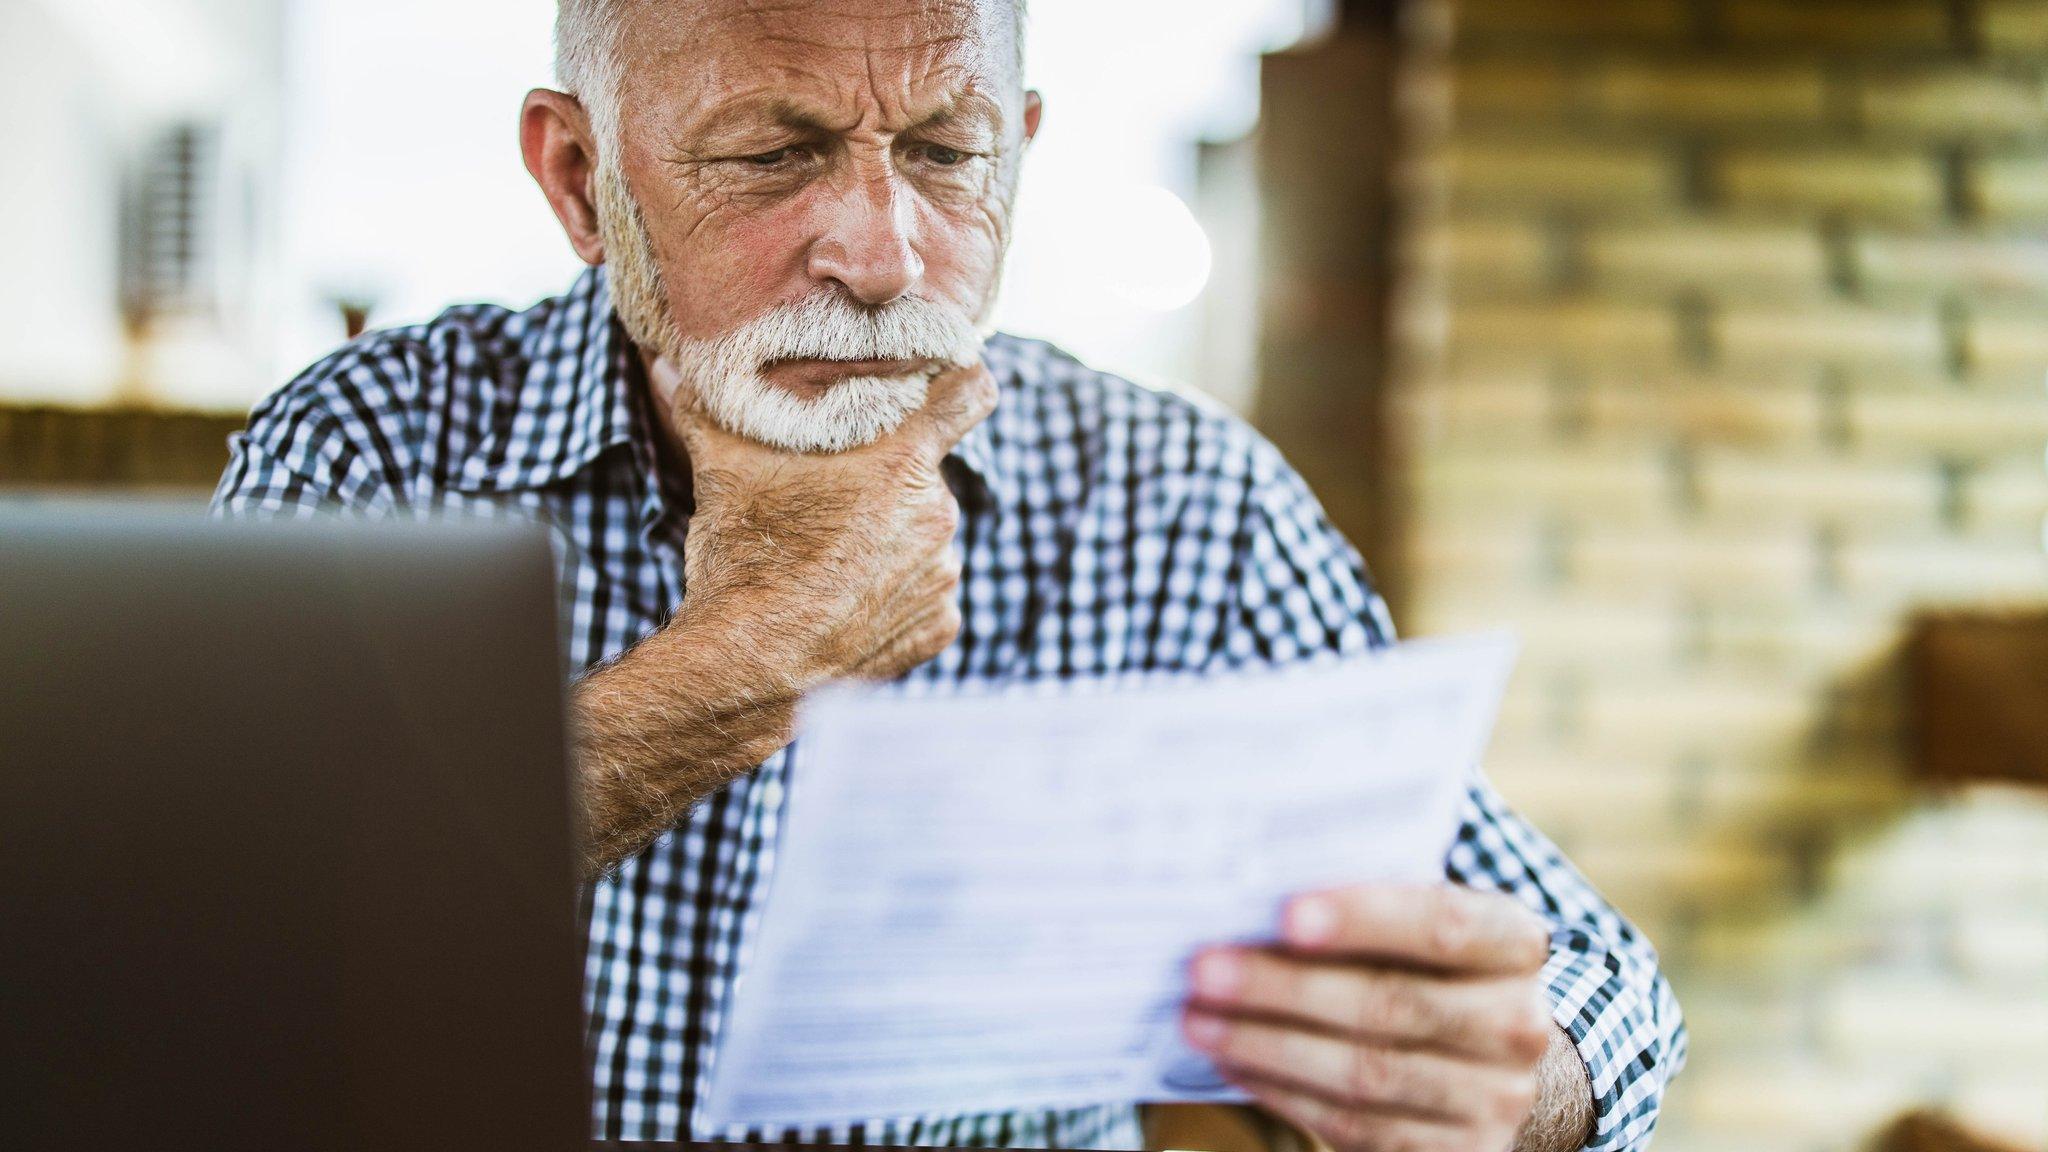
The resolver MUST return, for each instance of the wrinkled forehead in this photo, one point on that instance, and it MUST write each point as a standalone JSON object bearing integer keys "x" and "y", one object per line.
{"x": 682, "y": 58}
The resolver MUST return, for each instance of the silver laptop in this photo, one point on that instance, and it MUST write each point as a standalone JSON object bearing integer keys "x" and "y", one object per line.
{"x": 285, "y": 837}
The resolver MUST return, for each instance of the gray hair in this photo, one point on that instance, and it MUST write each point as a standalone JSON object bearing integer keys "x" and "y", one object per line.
{"x": 587, "y": 62}
{"x": 587, "y": 65}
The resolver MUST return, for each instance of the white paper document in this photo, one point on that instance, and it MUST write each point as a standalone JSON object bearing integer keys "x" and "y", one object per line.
{"x": 987, "y": 899}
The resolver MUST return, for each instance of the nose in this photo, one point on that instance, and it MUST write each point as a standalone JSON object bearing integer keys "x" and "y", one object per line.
{"x": 868, "y": 243}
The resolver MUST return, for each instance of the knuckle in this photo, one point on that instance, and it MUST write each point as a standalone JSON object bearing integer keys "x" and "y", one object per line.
{"x": 1451, "y": 927}
{"x": 1371, "y": 1077}
{"x": 935, "y": 521}
{"x": 938, "y": 635}
{"x": 907, "y": 460}
{"x": 982, "y": 394}
{"x": 1409, "y": 1008}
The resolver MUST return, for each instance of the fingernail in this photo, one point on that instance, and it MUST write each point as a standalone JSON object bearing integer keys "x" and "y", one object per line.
{"x": 1203, "y": 1031}
{"x": 1311, "y": 920}
{"x": 1218, "y": 975}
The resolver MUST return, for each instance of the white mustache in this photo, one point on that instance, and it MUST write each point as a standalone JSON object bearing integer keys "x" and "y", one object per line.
{"x": 727, "y": 370}
{"x": 827, "y": 326}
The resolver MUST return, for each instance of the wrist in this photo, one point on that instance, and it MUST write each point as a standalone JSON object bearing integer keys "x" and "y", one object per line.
{"x": 678, "y": 716}
{"x": 742, "y": 655}
{"x": 1563, "y": 1118}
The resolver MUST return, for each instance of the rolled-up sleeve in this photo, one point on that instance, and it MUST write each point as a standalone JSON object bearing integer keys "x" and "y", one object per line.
{"x": 1605, "y": 988}
{"x": 1304, "y": 590}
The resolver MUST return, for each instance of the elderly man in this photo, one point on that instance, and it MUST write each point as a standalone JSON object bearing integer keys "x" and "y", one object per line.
{"x": 778, "y": 447}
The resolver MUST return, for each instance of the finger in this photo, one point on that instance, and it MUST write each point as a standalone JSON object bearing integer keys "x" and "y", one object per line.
{"x": 675, "y": 402}
{"x": 956, "y": 400}
{"x": 666, "y": 382}
{"x": 704, "y": 439}
{"x": 1439, "y": 926}
{"x": 1505, "y": 1020}
{"x": 1357, "y": 1130}
{"x": 1355, "y": 1075}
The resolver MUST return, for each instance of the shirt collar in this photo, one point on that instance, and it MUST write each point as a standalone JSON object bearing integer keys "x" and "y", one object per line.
{"x": 987, "y": 452}
{"x": 577, "y": 399}
{"x": 976, "y": 455}
{"x": 569, "y": 405}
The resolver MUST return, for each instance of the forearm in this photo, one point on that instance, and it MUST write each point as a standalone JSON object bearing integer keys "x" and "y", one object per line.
{"x": 1562, "y": 1118}
{"x": 680, "y": 716}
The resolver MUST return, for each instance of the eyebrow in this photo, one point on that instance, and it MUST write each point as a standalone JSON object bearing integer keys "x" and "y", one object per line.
{"x": 968, "y": 106}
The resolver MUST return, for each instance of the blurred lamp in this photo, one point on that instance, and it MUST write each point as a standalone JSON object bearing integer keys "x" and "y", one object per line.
{"x": 1144, "y": 247}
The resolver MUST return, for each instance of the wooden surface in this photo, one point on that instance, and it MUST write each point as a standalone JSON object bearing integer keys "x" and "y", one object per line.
{"x": 112, "y": 449}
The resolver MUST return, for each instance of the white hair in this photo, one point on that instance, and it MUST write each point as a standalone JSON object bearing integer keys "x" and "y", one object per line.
{"x": 587, "y": 64}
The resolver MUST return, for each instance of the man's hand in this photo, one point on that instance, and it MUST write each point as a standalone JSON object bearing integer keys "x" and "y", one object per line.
{"x": 1395, "y": 1018}
{"x": 832, "y": 565}
{"x": 800, "y": 569}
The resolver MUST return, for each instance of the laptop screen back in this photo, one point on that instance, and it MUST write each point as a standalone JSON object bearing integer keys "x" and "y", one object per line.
{"x": 285, "y": 854}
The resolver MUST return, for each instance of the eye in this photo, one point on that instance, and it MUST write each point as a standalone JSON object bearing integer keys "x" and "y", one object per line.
{"x": 768, "y": 159}
{"x": 943, "y": 156}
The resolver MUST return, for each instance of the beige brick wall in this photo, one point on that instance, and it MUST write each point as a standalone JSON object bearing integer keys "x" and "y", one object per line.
{"x": 1724, "y": 331}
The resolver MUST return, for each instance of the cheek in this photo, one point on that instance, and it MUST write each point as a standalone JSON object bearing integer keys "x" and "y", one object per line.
{"x": 962, "y": 248}
{"x": 733, "y": 265}
{"x": 730, "y": 264}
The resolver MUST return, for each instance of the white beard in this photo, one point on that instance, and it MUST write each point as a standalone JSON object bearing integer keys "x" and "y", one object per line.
{"x": 726, "y": 371}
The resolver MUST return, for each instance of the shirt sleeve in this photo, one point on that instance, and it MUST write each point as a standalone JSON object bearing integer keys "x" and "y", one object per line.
{"x": 330, "y": 441}
{"x": 1305, "y": 590}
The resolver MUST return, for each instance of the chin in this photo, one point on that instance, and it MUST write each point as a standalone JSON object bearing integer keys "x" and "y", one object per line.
{"x": 848, "y": 414}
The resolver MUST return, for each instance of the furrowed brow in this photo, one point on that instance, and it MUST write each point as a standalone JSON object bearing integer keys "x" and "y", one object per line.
{"x": 735, "y": 120}
{"x": 970, "y": 110}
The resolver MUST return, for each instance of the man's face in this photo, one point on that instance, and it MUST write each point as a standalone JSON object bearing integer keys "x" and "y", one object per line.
{"x": 812, "y": 201}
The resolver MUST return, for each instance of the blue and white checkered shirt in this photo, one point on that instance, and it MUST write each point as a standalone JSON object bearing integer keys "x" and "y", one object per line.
{"x": 1106, "y": 528}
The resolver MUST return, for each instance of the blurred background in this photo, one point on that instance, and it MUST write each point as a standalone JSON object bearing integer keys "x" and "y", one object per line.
{"x": 1702, "y": 342}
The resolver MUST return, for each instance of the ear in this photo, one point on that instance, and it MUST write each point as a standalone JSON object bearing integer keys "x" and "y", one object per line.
{"x": 1034, "y": 108}
{"x": 561, "y": 155}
